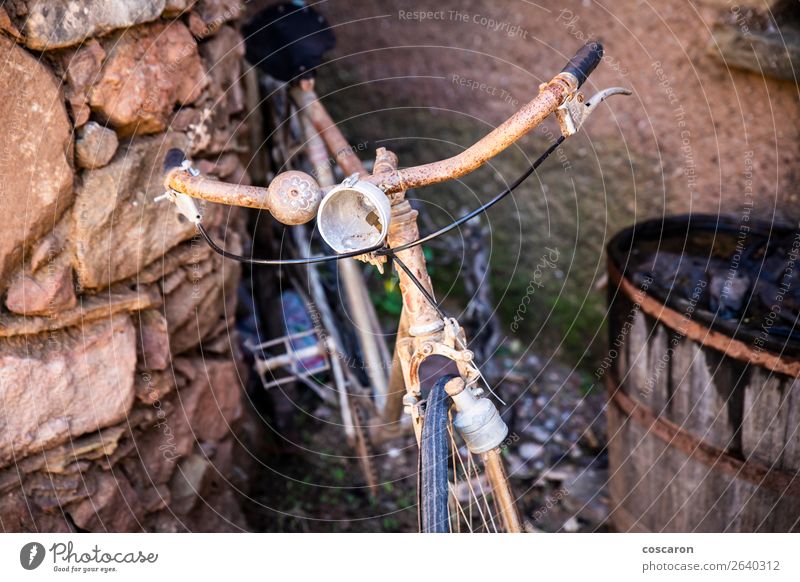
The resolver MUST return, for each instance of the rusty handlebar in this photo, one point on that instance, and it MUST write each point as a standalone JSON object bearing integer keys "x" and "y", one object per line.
{"x": 293, "y": 197}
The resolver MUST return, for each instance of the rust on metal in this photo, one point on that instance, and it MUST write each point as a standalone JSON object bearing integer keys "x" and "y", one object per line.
{"x": 403, "y": 229}
{"x": 700, "y": 333}
{"x": 215, "y": 191}
{"x": 339, "y": 147}
{"x": 292, "y": 197}
{"x": 304, "y": 96}
{"x": 496, "y": 473}
{"x": 455, "y": 386}
{"x": 550, "y": 97}
{"x": 753, "y": 472}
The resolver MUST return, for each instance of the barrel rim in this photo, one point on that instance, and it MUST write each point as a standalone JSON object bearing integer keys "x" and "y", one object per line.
{"x": 717, "y": 332}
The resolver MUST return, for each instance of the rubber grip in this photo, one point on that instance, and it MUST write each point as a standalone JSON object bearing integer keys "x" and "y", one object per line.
{"x": 173, "y": 159}
{"x": 585, "y": 61}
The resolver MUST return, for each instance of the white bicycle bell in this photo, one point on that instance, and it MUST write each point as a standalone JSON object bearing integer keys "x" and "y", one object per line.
{"x": 354, "y": 215}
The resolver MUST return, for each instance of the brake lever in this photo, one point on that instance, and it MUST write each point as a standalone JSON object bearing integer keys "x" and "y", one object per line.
{"x": 184, "y": 203}
{"x": 576, "y": 110}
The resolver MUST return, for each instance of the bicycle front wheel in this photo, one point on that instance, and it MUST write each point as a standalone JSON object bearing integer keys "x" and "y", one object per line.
{"x": 458, "y": 490}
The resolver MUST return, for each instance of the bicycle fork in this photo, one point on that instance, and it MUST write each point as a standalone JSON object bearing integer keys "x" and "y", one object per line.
{"x": 424, "y": 332}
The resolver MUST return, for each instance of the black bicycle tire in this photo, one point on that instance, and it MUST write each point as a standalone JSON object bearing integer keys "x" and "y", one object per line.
{"x": 434, "y": 465}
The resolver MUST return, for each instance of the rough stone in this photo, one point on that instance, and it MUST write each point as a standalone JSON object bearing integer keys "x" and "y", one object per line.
{"x": 177, "y": 7}
{"x": 209, "y": 15}
{"x": 217, "y": 399}
{"x": 160, "y": 446}
{"x": 222, "y": 56}
{"x": 95, "y": 145}
{"x": 21, "y": 514}
{"x": 191, "y": 252}
{"x": 52, "y": 24}
{"x": 50, "y": 491}
{"x": 59, "y": 459}
{"x": 113, "y": 506}
{"x": 44, "y": 292}
{"x": 188, "y": 482}
{"x": 153, "y": 345}
{"x": 7, "y": 26}
{"x": 771, "y": 53}
{"x": 117, "y": 228}
{"x": 195, "y": 307}
{"x": 35, "y": 153}
{"x": 79, "y": 68}
{"x": 148, "y": 71}
{"x": 61, "y": 386}
{"x": 91, "y": 308}
{"x": 211, "y": 122}
{"x": 152, "y": 386}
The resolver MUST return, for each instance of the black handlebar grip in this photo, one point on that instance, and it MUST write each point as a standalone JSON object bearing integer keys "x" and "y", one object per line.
{"x": 173, "y": 159}
{"x": 585, "y": 61}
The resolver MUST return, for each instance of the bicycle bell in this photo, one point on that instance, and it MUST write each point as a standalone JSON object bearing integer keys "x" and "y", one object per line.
{"x": 354, "y": 215}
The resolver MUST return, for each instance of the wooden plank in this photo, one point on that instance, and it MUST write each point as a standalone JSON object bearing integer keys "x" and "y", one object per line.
{"x": 764, "y": 417}
{"x": 658, "y": 364}
{"x": 634, "y": 377}
{"x": 700, "y": 395}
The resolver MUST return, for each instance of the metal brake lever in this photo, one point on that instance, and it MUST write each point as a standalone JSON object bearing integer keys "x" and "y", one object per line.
{"x": 575, "y": 111}
{"x": 185, "y": 204}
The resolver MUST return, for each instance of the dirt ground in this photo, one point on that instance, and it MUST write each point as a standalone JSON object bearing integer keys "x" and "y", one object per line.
{"x": 556, "y": 463}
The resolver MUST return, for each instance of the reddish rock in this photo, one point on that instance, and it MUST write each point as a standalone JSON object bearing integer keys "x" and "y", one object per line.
{"x": 7, "y": 26}
{"x": 20, "y": 514}
{"x": 211, "y": 124}
{"x": 81, "y": 67}
{"x": 153, "y": 385}
{"x": 148, "y": 71}
{"x": 218, "y": 399}
{"x": 197, "y": 305}
{"x": 45, "y": 292}
{"x": 113, "y": 506}
{"x": 47, "y": 248}
{"x": 177, "y": 7}
{"x": 209, "y": 15}
{"x": 35, "y": 153}
{"x": 153, "y": 346}
{"x": 95, "y": 145}
{"x": 222, "y": 56}
{"x": 117, "y": 228}
{"x": 64, "y": 384}
{"x": 91, "y": 308}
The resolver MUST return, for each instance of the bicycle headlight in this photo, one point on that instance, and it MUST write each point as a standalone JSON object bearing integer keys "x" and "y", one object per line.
{"x": 354, "y": 215}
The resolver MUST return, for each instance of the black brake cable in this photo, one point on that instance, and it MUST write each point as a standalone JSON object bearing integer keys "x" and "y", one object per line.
{"x": 302, "y": 261}
{"x": 382, "y": 249}
{"x": 417, "y": 283}
{"x": 483, "y": 208}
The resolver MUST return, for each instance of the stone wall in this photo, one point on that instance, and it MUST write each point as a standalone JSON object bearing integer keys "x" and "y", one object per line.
{"x": 111, "y": 417}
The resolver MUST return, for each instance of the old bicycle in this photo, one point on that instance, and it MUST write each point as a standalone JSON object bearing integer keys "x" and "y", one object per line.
{"x": 367, "y": 216}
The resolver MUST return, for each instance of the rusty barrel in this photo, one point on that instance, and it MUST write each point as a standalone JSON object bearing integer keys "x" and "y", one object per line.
{"x": 702, "y": 375}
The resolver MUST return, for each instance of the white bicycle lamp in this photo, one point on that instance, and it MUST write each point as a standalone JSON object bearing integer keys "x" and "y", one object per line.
{"x": 354, "y": 215}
